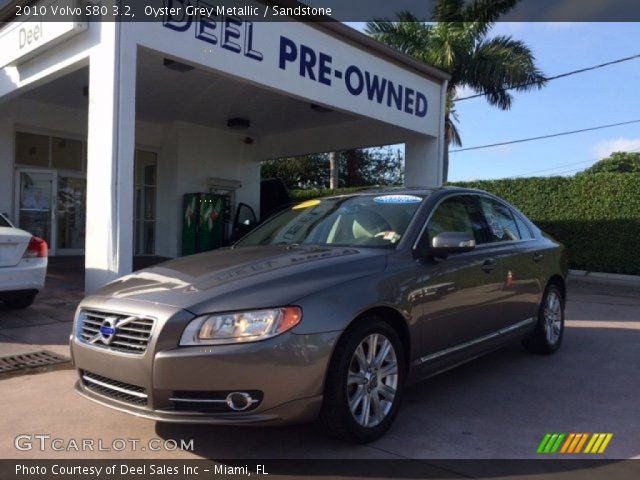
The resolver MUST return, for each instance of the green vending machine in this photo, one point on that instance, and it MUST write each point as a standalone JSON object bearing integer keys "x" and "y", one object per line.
{"x": 203, "y": 222}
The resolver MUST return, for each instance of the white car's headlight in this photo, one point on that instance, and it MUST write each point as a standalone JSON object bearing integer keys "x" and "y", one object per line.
{"x": 237, "y": 327}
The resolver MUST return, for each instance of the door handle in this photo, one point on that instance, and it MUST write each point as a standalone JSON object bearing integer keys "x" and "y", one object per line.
{"x": 488, "y": 265}
{"x": 537, "y": 257}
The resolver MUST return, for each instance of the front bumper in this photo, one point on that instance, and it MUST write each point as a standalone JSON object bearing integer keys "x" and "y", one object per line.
{"x": 296, "y": 411}
{"x": 287, "y": 371}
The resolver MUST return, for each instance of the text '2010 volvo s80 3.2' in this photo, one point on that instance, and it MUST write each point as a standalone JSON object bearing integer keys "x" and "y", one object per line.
{"x": 324, "y": 312}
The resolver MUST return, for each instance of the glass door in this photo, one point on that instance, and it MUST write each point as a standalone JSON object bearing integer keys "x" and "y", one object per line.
{"x": 36, "y": 203}
{"x": 70, "y": 214}
{"x": 145, "y": 203}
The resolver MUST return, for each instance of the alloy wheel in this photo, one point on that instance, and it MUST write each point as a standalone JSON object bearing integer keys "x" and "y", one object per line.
{"x": 372, "y": 380}
{"x": 553, "y": 317}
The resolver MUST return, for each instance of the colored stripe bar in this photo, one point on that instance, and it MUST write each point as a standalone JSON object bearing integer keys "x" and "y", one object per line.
{"x": 565, "y": 447}
{"x": 556, "y": 445}
{"x": 581, "y": 443}
{"x": 592, "y": 441}
{"x": 596, "y": 446}
{"x": 543, "y": 443}
{"x": 605, "y": 443}
{"x": 574, "y": 444}
{"x": 550, "y": 443}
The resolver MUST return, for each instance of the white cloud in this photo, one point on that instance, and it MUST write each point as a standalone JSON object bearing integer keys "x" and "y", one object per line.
{"x": 606, "y": 148}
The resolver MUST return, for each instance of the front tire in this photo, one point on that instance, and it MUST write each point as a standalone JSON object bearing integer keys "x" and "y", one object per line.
{"x": 364, "y": 383}
{"x": 547, "y": 336}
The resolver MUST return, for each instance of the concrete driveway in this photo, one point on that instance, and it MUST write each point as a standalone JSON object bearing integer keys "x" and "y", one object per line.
{"x": 499, "y": 406}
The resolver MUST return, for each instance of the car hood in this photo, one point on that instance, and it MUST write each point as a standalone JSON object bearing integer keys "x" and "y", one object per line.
{"x": 247, "y": 277}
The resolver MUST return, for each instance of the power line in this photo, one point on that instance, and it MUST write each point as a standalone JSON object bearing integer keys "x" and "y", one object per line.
{"x": 562, "y": 75}
{"x": 593, "y": 160}
{"x": 554, "y": 168}
{"x": 542, "y": 137}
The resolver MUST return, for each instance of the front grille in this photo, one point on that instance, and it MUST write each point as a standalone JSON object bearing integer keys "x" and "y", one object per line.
{"x": 131, "y": 333}
{"x": 121, "y": 391}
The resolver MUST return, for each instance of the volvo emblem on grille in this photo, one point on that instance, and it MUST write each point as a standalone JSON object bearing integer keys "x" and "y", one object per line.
{"x": 102, "y": 330}
{"x": 108, "y": 330}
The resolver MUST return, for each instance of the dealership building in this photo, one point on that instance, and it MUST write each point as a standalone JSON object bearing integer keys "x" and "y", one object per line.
{"x": 104, "y": 127}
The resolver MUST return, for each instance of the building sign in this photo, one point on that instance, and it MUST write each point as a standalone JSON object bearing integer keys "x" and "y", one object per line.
{"x": 313, "y": 65}
{"x": 23, "y": 40}
{"x": 318, "y": 66}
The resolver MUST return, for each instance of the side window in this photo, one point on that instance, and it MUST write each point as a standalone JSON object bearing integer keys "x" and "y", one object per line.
{"x": 502, "y": 225}
{"x": 525, "y": 231}
{"x": 458, "y": 214}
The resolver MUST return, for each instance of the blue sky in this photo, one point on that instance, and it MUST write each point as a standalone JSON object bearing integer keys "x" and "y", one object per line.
{"x": 605, "y": 96}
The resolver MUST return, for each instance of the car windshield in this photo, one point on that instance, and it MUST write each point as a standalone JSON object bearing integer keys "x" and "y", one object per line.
{"x": 365, "y": 221}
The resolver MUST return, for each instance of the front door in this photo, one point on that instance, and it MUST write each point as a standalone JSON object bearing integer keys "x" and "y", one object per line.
{"x": 458, "y": 293}
{"x": 36, "y": 203}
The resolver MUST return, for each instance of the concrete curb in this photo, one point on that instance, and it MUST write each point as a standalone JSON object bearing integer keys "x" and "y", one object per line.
{"x": 612, "y": 277}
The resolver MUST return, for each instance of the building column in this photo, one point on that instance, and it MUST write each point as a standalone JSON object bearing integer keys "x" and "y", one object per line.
{"x": 422, "y": 163}
{"x": 7, "y": 155}
{"x": 111, "y": 147}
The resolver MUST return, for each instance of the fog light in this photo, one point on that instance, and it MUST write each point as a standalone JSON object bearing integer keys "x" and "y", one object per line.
{"x": 239, "y": 401}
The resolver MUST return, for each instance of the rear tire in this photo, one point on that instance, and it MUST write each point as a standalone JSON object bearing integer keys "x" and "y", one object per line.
{"x": 364, "y": 382}
{"x": 20, "y": 301}
{"x": 547, "y": 336}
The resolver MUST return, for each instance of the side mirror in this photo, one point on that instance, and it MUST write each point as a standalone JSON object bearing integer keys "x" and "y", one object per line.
{"x": 446, "y": 243}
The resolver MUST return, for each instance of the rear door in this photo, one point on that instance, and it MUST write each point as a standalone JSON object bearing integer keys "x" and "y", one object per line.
{"x": 514, "y": 244}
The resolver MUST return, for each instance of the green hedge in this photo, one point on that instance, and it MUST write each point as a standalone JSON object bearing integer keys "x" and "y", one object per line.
{"x": 596, "y": 216}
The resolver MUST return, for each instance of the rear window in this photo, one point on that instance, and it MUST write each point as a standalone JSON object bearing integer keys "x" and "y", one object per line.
{"x": 4, "y": 222}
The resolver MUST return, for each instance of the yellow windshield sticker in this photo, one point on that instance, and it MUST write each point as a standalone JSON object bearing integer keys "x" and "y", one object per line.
{"x": 307, "y": 204}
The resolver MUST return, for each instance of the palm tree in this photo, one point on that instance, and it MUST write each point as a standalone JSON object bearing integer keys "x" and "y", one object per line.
{"x": 458, "y": 42}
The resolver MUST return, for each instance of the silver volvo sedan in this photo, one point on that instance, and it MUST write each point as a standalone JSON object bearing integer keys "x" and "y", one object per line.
{"x": 324, "y": 312}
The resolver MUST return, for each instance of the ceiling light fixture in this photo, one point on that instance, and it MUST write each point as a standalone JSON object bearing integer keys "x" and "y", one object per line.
{"x": 320, "y": 108}
{"x": 177, "y": 66}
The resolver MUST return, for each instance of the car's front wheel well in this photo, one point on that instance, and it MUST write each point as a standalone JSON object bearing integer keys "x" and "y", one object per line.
{"x": 558, "y": 281}
{"x": 397, "y": 322}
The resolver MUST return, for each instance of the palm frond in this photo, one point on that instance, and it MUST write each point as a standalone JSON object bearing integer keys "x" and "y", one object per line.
{"x": 487, "y": 12}
{"x": 409, "y": 35}
{"x": 500, "y": 64}
{"x": 451, "y": 134}
{"x": 449, "y": 11}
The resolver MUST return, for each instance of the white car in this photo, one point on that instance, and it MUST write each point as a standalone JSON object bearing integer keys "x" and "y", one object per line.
{"x": 23, "y": 265}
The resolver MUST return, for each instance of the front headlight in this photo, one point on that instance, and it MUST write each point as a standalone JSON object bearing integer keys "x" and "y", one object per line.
{"x": 238, "y": 327}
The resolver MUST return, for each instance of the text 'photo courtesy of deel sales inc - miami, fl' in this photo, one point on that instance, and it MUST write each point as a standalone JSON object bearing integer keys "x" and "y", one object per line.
{"x": 157, "y": 470}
